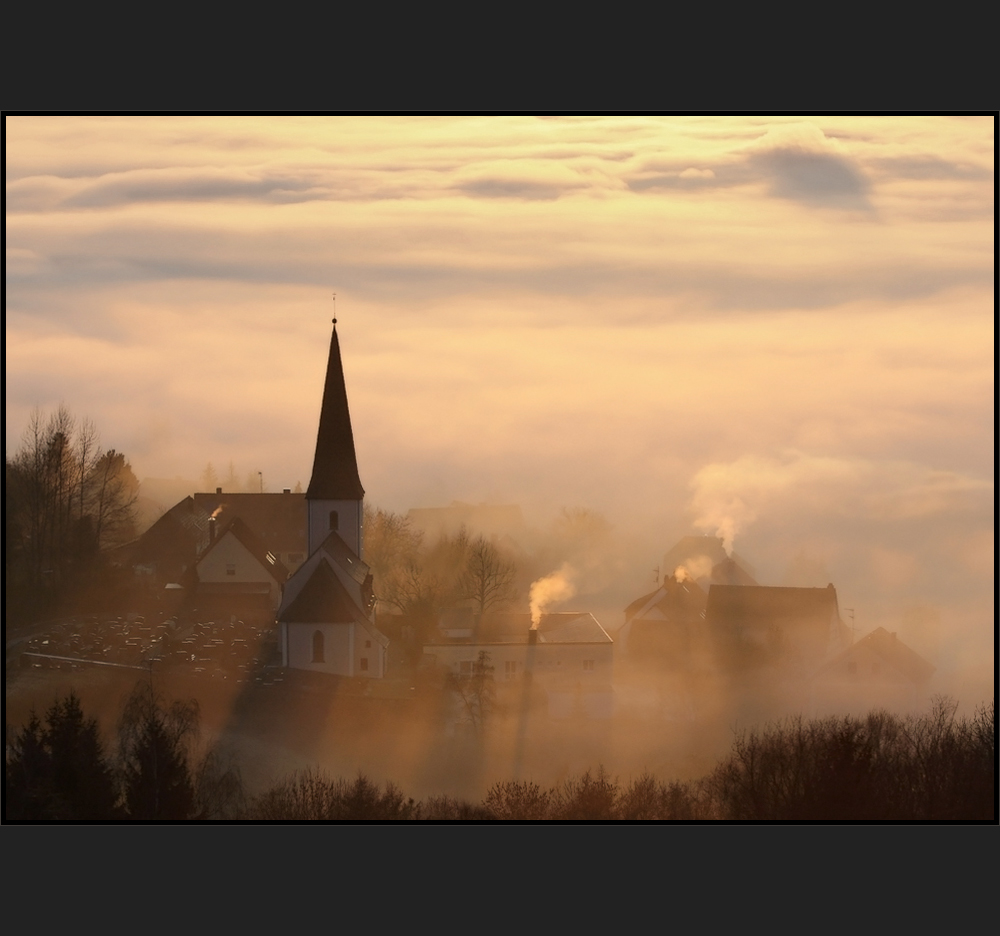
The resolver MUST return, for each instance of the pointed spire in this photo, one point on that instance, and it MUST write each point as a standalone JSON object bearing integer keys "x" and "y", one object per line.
{"x": 335, "y": 467}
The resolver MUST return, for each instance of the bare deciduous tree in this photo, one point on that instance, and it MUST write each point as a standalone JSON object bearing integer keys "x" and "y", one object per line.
{"x": 65, "y": 501}
{"x": 112, "y": 490}
{"x": 391, "y": 548}
{"x": 477, "y": 691}
{"x": 489, "y": 577}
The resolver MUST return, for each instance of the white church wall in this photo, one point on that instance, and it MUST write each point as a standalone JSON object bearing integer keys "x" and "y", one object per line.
{"x": 349, "y": 518}
{"x": 369, "y": 657}
{"x": 338, "y": 648}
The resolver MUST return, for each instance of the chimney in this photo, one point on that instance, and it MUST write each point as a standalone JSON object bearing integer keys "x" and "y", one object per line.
{"x": 532, "y": 636}
{"x": 211, "y": 530}
{"x": 287, "y": 491}
{"x": 218, "y": 490}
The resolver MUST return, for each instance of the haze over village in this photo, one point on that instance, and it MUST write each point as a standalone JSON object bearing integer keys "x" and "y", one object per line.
{"x": 709, "y": 401}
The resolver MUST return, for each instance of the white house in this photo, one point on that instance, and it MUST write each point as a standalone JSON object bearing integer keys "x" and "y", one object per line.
{"x": 237, "y": 567}
{"x": 568, "y": 655}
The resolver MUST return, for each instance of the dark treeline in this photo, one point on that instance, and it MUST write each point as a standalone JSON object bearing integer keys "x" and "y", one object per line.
{"x": 881, "y": 767}
{"x": 67, "y": 503}
{"x": 59, "y": 769}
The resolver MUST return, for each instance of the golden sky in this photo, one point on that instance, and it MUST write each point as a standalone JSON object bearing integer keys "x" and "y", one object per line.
{"x": 779, "y": 328}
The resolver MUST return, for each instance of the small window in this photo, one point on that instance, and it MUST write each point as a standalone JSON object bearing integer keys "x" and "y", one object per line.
{"x": 588, "y": 666}
{"x": 364, "y": 664}
{"x": 230, "y": 568}
{"x": 318, "y": 647}
{"x": 510, "y": 669}
{"x": 334, "y": 520}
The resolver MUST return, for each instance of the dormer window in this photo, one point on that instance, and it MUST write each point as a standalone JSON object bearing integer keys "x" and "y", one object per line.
{"x": 334, "y": 520}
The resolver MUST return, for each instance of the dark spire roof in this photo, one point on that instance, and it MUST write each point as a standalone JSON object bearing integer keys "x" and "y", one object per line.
{"x": 335, "y": 467}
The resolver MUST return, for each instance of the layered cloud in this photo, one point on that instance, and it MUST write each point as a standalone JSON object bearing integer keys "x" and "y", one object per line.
{"x": 781, "y": 329}
{"x": 728, "y": 497}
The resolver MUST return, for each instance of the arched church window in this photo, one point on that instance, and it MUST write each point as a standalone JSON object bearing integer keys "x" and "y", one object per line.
{"x": 318, "y": 647}
{"x": 334, "y": 520}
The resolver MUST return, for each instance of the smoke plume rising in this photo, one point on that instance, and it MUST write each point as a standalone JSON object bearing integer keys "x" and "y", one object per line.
{"x": 697, "y": 567}
{"x": 556, "y": 586}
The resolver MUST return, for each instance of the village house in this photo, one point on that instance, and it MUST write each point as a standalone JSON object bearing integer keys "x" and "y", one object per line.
{"x": 239, "y": 575}
{"x": 878, "y": 671}
{"x": 277, "y": 519}
{"x": 167, "y": 552}
{"x": 792, "y": 629}
{"x": 659, "y": 627}
{"x": 568, "y": 656}
{"x": 662, "y": 626}
{"x": 710, "y": 635}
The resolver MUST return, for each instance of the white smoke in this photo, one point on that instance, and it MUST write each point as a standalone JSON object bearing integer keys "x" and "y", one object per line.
{"x": 729, "y": 496}
{"x": 556, "y": 586}
{"x": 697, "y": 567}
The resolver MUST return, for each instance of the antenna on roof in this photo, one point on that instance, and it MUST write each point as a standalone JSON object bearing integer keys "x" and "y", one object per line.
{"x": 334, "y": 308}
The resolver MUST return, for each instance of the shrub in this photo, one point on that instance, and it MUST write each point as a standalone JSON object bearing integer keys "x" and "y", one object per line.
{"x": 880, "y": 767}
{"x": 517, "y": 800}
{"x": 313, "y": 795}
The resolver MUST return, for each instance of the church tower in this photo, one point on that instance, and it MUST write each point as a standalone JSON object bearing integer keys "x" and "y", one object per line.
{"x": 335, "y": 497}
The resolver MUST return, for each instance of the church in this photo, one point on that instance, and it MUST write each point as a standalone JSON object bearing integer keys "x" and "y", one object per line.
{"x": 326, "y": 617}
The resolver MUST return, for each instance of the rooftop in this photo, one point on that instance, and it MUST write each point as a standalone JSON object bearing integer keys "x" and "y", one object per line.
{"x": 562, "y": 627}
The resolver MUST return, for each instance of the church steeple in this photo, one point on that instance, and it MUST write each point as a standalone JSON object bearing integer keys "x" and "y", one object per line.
{"x": 335, "y": 497}
{"x": 335, "y": 467}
